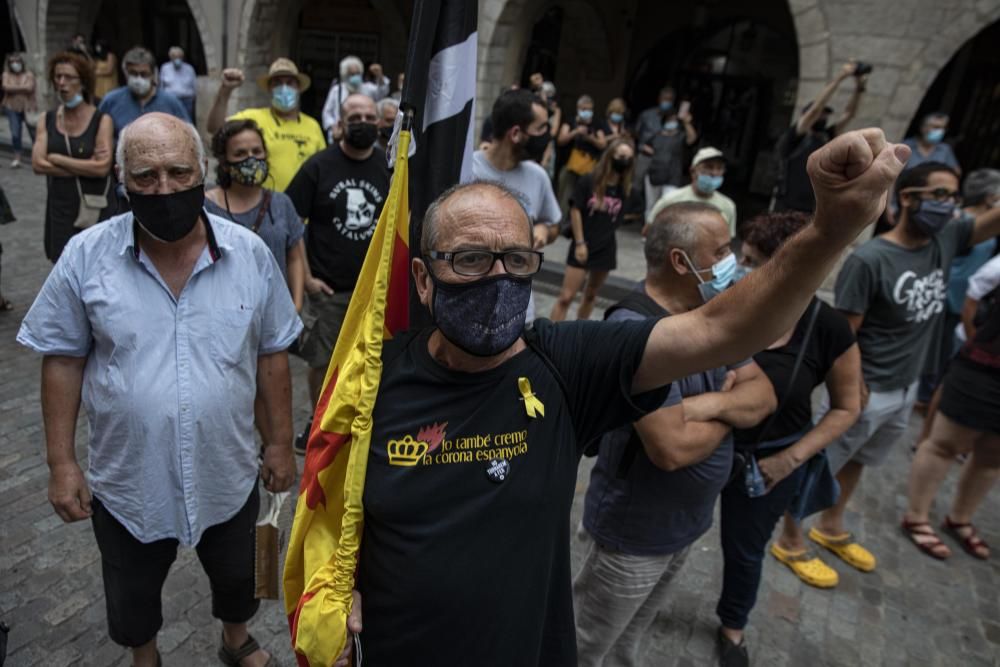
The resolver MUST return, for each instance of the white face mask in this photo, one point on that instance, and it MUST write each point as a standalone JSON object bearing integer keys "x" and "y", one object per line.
{"x": 139, "y": 85}
{"x": 16, "y": 68}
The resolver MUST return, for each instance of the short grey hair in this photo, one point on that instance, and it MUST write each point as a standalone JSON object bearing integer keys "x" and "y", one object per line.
{"x": 549, "y": 89}
{"x": 979, "y": 185}
{"x": 125, "y": 137}
{"x": 383, "y": 103}
{"x": 139, "y": 55}
{"x": 676, "y": 226}
{"x": 175, "y": 48}
{"x": 585, "y": 99}
{"x": 428, "y": 232}
{"x": 347, "y": 62}
{"x": 937, "y": 115}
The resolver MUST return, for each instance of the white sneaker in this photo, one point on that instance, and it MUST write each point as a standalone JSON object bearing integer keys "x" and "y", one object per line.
{"x": 14, "y": 164}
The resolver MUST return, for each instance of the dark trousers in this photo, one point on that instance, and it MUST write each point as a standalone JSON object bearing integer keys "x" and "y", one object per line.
{"x": 746, "y": 527}
{"x": 134, "y": 572}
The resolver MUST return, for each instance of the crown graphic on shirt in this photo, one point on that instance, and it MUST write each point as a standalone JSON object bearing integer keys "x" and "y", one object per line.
{"x": 406, "y": 452}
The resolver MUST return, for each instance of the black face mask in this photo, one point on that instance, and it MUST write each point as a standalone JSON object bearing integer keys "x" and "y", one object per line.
{"x": 484, "y": 317}
{"x": 621, "y": 166}
{"x": 171, "y": 217}
{"x": 385, "y": 133}
{"x": 361, "y": 135}
{"x": 819, "y": 126}
{"x": 534, "y": 147}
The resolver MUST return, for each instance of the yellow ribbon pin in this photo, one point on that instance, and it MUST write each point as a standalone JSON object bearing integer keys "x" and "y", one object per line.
{"x": 531, "y": 403}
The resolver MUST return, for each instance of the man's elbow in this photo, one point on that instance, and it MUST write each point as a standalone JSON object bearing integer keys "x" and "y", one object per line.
{"x": 665, "y": 458}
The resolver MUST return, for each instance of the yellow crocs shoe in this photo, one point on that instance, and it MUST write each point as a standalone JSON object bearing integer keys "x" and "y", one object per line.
{"x": 807, "y": 567}
{"x": 844, "y": 547}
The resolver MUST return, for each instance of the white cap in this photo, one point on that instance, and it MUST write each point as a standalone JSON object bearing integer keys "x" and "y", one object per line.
{"x": 707, "y": 153}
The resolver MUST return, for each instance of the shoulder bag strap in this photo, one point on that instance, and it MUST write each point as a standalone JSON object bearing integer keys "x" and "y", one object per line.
{"x": 791, "y": 379}
{"x": 69, "y": 153}
{"x": 265, "y": 207}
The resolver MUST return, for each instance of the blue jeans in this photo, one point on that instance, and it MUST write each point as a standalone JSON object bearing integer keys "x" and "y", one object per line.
{"x": 15, "y": 118}
{"x": 746, "y": 527}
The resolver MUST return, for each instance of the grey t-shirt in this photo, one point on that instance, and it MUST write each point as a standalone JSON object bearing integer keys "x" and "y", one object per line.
{"x": 280, "y": 230}
{"x": 666, "y": 166}
{"x": 654, "y": 512}
{"x": 528, "y": 181}
{"x": 901, "y": 292}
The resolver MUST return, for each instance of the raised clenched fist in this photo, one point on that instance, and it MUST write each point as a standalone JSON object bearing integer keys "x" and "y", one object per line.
{"x": 851, "y": 177}
{"x": 232, "y": 77}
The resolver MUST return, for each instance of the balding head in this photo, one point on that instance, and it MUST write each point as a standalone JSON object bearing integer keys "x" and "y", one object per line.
{"x": 695, "y": 229}
{"x": 475, "y": 203}
{"x": 159, "y": 153}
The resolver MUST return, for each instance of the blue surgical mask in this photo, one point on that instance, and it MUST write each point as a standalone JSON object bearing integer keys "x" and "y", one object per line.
{"x": 616, "y": 117}
{"x": 178, "y": 62}
{"x": 74, "y": 101}
{"x": 671, "y": 125}
{"x": 709, "y": 184}
{"x": 355, "y": 81}
{"x": 931, "y": 216}
{"x": 935, "y": 136}
{"x": 723, "y": 275}
{"x": 741, "y": 272}
{"x": 484, "y": 317}
{"x": 585, "y": 114}
{"x": 284, "y": 97}
{"x": 666, "y": 106}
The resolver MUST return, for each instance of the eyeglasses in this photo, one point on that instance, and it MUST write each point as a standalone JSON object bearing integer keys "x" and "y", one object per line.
{"x": 479, "y": 262}
{"x": 938, "y": 194}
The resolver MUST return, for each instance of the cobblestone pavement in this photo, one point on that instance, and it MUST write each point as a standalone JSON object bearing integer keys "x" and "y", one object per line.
{"x": 911, "y": 611}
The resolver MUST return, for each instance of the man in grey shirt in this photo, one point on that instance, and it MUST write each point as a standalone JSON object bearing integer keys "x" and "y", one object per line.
{"x": 520, "y": 137}
{"x": 892, "y": 291}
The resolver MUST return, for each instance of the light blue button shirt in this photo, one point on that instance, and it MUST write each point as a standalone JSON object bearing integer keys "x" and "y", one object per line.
{"x": 182, "y": 82}
{"x": 169, "y": 383}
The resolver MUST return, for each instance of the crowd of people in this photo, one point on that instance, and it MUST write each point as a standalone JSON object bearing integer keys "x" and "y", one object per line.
{"x": 696, "y": 389}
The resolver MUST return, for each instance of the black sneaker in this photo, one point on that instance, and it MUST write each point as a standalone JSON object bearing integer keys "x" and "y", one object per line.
{"x": 302, "y": 438}
{"x": 730, "y": 654}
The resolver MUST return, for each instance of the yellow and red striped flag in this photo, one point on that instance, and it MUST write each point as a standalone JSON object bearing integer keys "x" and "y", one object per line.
{"x": 326, "y": 535}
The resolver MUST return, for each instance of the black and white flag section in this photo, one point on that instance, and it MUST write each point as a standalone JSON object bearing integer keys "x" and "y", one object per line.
{"x": 440, "y": 90}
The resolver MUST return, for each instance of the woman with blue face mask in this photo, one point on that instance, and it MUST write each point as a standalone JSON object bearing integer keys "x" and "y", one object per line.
{"x": 73, "y": 148}
{"x": 587, "y": 137}
{"x": 18, "y": 101}
{"x": 614, "y": 117}
{"x": 784, "y": 453}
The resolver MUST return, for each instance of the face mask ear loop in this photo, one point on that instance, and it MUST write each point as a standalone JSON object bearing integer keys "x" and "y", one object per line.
{"x": 697, "y": 274}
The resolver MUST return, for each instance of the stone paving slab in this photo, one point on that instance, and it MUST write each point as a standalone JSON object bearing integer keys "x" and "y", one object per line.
{"x": 911, "y": 611}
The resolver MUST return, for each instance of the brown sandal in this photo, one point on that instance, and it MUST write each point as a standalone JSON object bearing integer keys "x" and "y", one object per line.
{"x": 974, "y": 545}
{"x": 932, "y": 547}
{"x": 232, "y": 657}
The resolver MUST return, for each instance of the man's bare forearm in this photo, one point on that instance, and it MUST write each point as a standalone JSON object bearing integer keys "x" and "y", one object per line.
{"x": 217, "y": 114}
{"x": 274, "y": 386}
{"x": 62, "y": 380}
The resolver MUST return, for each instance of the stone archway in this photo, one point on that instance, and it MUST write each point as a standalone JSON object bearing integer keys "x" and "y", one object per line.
{"x": 907, "y": 45}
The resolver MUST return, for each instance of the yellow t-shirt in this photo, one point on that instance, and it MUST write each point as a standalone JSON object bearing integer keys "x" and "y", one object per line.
{"x": 289, "y": 142}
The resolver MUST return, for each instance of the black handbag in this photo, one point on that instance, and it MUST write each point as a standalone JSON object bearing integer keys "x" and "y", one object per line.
{"x": 6, "y": 212}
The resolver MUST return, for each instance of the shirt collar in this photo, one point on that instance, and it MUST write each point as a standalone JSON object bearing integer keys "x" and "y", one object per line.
{"x": 214, "y": 248}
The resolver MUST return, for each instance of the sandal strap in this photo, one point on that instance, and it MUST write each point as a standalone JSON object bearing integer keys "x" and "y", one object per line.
{"x": 250, "y": 646}
{"x": 839, "y": 540}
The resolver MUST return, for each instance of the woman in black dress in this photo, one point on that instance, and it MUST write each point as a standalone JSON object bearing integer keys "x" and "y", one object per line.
{"x": 601, "y": 200}
{"x": 785, "y": 451}
{"x": 74, "y": 150}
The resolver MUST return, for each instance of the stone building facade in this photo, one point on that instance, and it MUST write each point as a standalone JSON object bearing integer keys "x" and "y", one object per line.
{"x": 605, "y": 44}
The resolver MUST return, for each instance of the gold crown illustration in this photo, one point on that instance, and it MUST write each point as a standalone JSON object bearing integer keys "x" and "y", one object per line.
{"x": 406, "y": 452}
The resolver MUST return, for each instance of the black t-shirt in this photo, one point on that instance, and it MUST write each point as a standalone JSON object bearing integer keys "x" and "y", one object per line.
{"x": 342, "y": 199}
{"x": 831, "y": 337}
{"x": 599, "y": 223}
{"x": 795, "y": 150}
{"x": 592, "y": 129}
{"x": 458, "y": 567}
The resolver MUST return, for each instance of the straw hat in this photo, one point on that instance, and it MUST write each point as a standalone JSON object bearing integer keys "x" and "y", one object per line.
{"x": 284, "y": 67}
